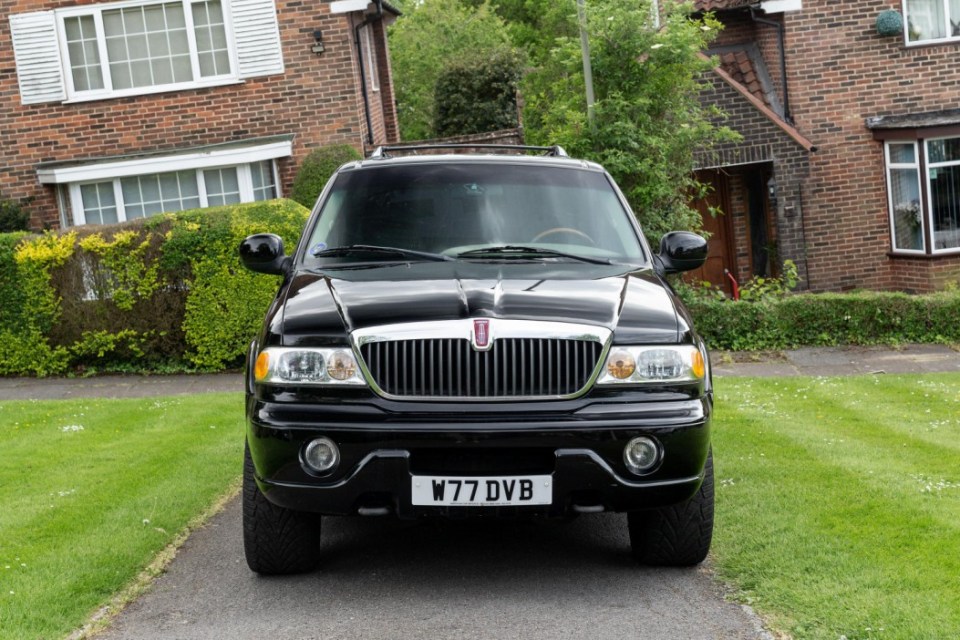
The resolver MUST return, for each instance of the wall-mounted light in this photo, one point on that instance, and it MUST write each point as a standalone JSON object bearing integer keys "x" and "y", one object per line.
{"x": 318, "y": 42}
{"x": 772, "y": 192}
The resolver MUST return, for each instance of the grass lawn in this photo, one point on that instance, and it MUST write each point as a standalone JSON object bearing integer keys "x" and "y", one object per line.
{"x": 838, "y": 503}
{"x": 92, "y": 490}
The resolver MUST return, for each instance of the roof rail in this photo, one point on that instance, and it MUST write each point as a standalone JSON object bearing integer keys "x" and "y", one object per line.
{"x": 554, "y": 151}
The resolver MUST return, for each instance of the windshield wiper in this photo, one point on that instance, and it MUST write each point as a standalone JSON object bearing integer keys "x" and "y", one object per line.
{"x": 336, "y": 252}
{"x": 515, "y": 251}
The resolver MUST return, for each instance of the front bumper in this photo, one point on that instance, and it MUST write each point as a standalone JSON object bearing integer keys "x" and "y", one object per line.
{"x": 581, "y": 450}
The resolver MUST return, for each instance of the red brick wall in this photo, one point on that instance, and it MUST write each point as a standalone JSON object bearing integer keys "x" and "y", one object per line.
{"x": 316, "y": 100}
{"x": 841, "y": 72}
{"x": 764, "y": 143}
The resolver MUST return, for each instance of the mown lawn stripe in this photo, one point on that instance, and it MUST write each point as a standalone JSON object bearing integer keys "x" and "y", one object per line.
{"x": 86, "y": 509}
{"x": 811, "y": 537}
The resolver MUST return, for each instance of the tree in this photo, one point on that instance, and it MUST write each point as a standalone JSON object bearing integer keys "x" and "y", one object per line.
{"x": 649, "y": 121}
{"x": 477, "y": 95}
{"x": 429, "y": 36}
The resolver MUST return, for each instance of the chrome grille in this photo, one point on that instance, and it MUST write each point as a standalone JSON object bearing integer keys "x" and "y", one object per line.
{"x": 451, "y": 368}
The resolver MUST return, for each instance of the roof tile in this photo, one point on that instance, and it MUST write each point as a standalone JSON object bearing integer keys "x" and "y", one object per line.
{"x": 720, "y": 5}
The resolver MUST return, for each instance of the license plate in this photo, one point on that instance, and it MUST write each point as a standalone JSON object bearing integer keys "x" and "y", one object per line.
{"x": 440, "y": 491}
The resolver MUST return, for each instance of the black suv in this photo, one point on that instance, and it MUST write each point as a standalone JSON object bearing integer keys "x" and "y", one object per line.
{"x": 483, "y": 334}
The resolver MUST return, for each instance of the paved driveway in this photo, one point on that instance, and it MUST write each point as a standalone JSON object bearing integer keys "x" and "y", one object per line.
{"x": 479, "y": 579}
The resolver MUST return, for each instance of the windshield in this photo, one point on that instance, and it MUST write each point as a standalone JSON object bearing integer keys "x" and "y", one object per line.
{"x": 473, "y": 211}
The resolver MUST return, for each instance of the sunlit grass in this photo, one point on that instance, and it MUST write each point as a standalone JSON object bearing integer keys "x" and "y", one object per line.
{"x": 92, "y": 490}
{"x": 838, "y": 503}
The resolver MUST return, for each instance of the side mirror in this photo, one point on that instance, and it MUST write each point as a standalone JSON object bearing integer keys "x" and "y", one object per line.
{"x": 263, "y": 253}
{"x": 682, "y": 251}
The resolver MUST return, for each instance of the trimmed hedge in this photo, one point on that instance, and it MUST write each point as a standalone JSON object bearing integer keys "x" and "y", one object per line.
{"x": 828, "y": 319}
{"x": 316, "y": 169}
{"x": 165, "y": 293}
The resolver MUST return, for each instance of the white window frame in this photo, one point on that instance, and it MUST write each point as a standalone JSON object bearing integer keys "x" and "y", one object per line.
{"x": 915, "y": 166}
{"x": 929, "y": 185}
{"x": 207, "y": 158}
{"x": 243, "y": 179}
{"x": 96, "y": 10}
{"x": 369, "y": 57}
{"x": 948, "y": 26}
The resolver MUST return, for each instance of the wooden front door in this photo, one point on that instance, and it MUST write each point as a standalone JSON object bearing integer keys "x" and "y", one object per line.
{"x": 721, "y": 249}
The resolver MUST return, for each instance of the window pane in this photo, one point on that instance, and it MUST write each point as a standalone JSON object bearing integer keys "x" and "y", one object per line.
{"x": 903, "y": 154}
{"x": 182, "y": 71}
{"x": 925, "y": 20}
{"x": 211, "y": 38}
{"x": 262, "y": 176}
{"x": 151, "y": 42}
{"x": 152, "y": 194}
{"x": 133, "y": 20}
{"x": 162, "y": 71}
{"x": 153, "y": 18}
{"x": 83, "y": 53}
{"x": 159, "y": 46}
{"x": 222, "y": 186}
{"x": 150, "y": 188}
{"x": 120, "y": 74}
{"x": 907, "y": 212}
{"x": 945, "y": 204}
{"x": 112, "y": 23}
{"x": 99, "y": 205}
{"x": 72, "y": 27}
{"x": 944, "y": 150}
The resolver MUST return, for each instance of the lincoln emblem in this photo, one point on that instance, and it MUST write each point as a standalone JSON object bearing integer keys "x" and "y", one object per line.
{"x": 481, "y": 334}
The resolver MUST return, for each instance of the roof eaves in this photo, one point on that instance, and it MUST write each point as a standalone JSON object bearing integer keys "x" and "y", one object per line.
{"x": 789, "y": 129}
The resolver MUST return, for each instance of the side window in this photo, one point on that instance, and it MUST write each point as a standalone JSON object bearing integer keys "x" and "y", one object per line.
{"x": 930, "y": 20}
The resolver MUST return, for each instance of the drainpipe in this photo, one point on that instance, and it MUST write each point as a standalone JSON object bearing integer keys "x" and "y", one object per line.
{"x": 363, "y": 75}
{"x": 783, "y": 59}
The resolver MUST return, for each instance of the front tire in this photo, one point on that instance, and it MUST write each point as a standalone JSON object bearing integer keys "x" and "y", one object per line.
{"x": 276, "y": 541}
{"x": 678, "y": 535}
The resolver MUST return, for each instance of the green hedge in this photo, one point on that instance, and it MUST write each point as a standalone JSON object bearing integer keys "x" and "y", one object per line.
{"x": 828, "y": 319}
{"x": 166, "y": 293}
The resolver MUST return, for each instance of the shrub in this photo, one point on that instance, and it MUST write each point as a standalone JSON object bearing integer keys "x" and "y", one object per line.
{"x": 317, "y": 168}
{"x": 828, "y": 319}
{"x": 13, "y": 216}
{"x": 166, "y": 292}
{"x": 477, "y": 95}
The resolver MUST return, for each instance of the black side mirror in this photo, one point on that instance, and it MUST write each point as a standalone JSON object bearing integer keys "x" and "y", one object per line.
{"x": 263, "y": 253}
{"x": 682, "y": 251}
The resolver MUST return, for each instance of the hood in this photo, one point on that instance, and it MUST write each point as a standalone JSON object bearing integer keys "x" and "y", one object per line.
{"x": 323, "y": 308}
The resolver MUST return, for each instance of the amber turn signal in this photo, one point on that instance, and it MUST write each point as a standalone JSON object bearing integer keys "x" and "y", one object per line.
{"x": 262, "y": 367}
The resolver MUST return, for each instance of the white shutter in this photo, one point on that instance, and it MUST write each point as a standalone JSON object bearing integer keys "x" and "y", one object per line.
{"x": 37, "y": 50}
{"x": 258, "y": 37}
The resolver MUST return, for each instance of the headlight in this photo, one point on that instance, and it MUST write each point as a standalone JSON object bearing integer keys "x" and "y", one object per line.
{"x": 638, "y": 365}
{"x": 276, "y": 365}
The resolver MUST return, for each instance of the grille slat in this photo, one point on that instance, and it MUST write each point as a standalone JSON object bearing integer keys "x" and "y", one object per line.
{"x": 451, "y": 368}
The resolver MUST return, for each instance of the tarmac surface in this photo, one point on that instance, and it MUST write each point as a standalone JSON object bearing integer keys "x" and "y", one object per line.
{"x": 382, "y": 578}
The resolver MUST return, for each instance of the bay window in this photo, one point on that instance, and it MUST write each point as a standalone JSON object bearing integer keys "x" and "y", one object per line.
{"x": 923, "y": 188}
{"x": 121, "y": 188}
{"x": 121, "y": 199}
{"x": 931, "y": 20}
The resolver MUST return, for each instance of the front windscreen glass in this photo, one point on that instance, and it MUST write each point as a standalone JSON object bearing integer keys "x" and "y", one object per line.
{"x": 473, "y": 211}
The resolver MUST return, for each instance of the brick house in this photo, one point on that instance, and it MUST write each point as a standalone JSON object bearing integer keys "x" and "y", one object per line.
{"x": 850, "y": 162}
{"x": 111, "y": 111}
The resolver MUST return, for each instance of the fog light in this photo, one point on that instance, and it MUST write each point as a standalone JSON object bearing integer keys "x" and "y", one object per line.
{"x": 641, "y": 455}
{"x": 321, "y": 455}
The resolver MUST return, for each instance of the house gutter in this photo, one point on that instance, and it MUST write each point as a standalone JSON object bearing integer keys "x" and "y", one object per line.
{"x": 363, "y": 75}
{"x": 783, "y": 59}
